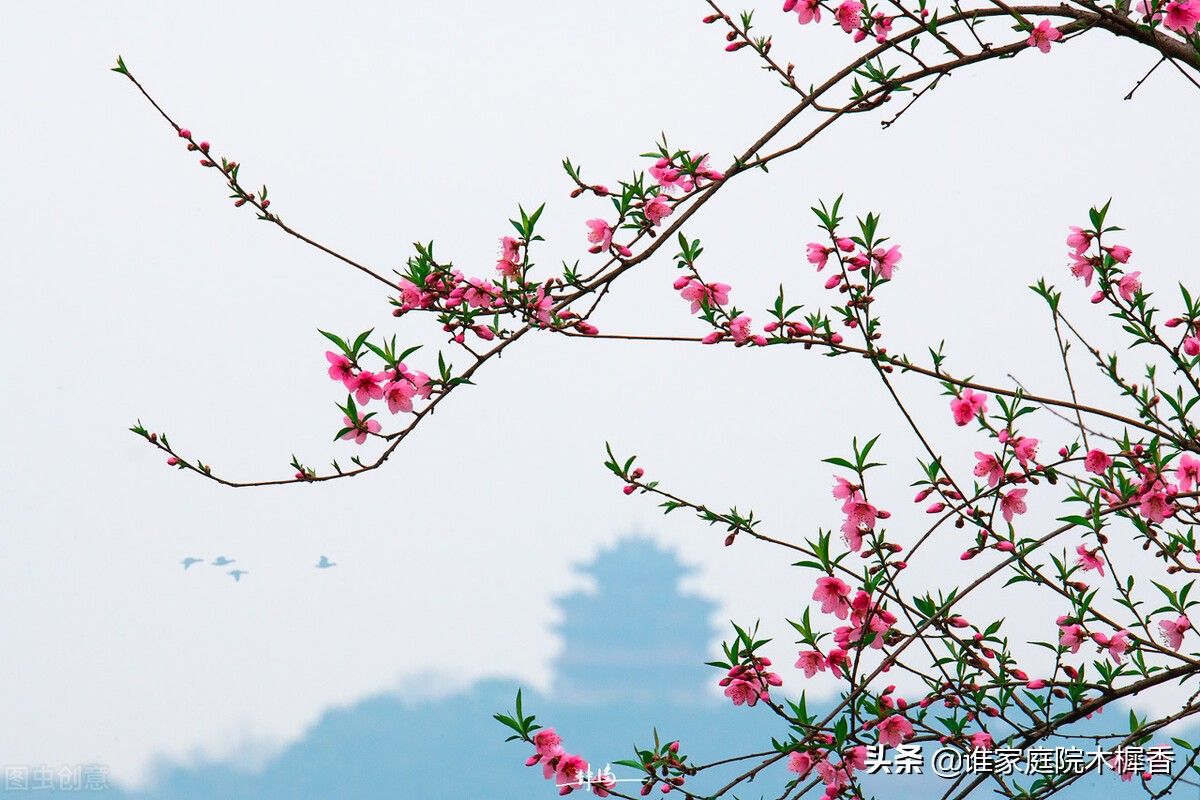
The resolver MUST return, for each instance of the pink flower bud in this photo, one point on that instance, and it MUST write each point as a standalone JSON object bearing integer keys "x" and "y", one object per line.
{"x": 204, "y": 147}
{"x": 836, "y": 338}
{"x": 637, "y": 473}
{"x": 833, "y": 281}
{"x": 1036, "y": 684}
{"x": 172, "y": 461}
{"x": 586, "y": 328}
{"x": 729, "y": 48}
{"x": 936, "y": 508}
{"x": 680, "y": 282}
{"x": 184, "y": 133}
{"x": 967, "y": 556}
{"x": 1191, "y": 346}
{"x": 845, "y": 245}
{"x": 958, "y": 622}
{"x": 1173, "y": 322}
{"x": 629, "y": 489}
{"x": 1007, "y": 547}
{"x": 1098, "y": 297}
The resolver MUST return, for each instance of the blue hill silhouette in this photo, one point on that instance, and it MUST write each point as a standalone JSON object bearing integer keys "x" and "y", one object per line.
{"x": 633, "y": 659}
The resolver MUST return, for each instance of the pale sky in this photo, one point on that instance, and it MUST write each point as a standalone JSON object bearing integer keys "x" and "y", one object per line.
{"x": 133, "y": 289}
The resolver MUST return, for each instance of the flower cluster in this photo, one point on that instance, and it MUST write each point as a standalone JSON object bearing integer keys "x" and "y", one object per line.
{"x": 461, "y": 301}
{"x": 860, "y": 515}
{"x": 567, "y": 771}
{"x": 1084, "y": 264}
{"x": 750, "y": 682}
{"x": 1181, "y": 17}
{"x": 683, "y": 173}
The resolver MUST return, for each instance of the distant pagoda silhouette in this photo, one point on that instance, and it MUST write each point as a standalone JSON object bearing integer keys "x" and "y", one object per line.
{"x": 637, "y": 638}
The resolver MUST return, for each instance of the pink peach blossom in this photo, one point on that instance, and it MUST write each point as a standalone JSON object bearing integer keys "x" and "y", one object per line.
{"x": 832, "y": 593}
{"x": 967, "y": 406}
{"x": 1120, "y": 253}
{"x": 894, "y": 730}
{"x": 341, "y": 368}
{"x": 1182, "y": 17}
{"x": 843, "y": 488}
{"x": 1173, "y": 630}
{"x": 803, "y": 763}
{"x": 1097, "y": 462}
{"x": 600, "y": 235}
{"x": 698, "y": 293}
{"x": 982, "y": 741}
{"x": 885, "y": 260}
{"x": 1013, "y": 503}
{"x": 818, "y": 254}
{"x": 1129, "y": 286}
{"x": 399, "y": 395}
{"x": 1090, "y": 559}
{"x": 1117, "y": 645}
{"x": 1084, "y": 267}
{"x": 847, "y": 15}
{"x": 360, "y": 431}
{"x": 1188, "y": 472}
{"x": 990, "y": 467}
{"x": 1079, "y": 239}
{"x": 1025, "y": 449}
{"x": 812, "y": 662}
{"x": 657, "y": 209}
{"x": 365, "y": 386}
{"x": 1071, "y": 636}
{"x": 547, "y": 742}
{"x": 1043, "y": 35}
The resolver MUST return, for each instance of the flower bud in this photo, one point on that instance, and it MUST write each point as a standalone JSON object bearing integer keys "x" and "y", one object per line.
{"x": 184, "y": 133}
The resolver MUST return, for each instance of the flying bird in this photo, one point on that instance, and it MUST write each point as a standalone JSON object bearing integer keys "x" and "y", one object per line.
{"x": 237, "y": 574}
{"x": 187, "y": 562}
{"x": 221, "y": 561}
{"x": 325, "y": 563}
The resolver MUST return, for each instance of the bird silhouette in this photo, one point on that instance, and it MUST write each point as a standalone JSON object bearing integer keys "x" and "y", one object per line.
{"x": 221, "y": 561}
{"x": 237, "y": 574}
{"x": 187, "y": 562}
{"x": 325, "y": 563}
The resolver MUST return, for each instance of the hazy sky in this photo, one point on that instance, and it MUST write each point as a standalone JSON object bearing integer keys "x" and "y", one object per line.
{"x": 133, "y": 289}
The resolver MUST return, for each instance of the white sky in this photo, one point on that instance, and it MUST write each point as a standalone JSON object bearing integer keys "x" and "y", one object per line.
{"x": 134, "y": 289}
